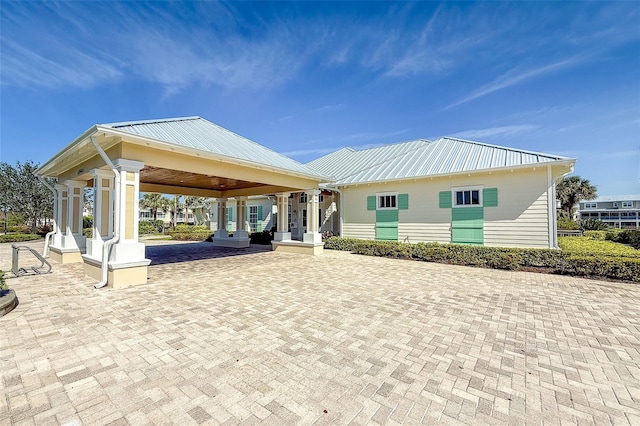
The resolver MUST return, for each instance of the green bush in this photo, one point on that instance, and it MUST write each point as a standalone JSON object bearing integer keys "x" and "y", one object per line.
{"x": 595, "y": 235}
{"x": 583, "y": 246}
{"x": 88, "y": 232}
{"x": 150, "y": 227}
{"x": 265, "y": 237}
{"x": 580, "y": 256}
{"x": 189, "y": 236}
{"x": 628, "y": 236}
{"x": 191, "y": 228}
{"x": 617, "y": 268}
{"x": 18, "y": 238}
{"x": 87, "y": 222}
{"x": 593, "y": 224}
{"x": 567, "y": 224}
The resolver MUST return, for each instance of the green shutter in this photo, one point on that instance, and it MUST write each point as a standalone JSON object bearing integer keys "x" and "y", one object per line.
{"x": 371, "y": 202}
{"x": 387, "y": 225}
{"x": 403, "y": 201}
{"x": 490, "y": 197}
{"x": 259, "y": 226}
{"x": 467, "y": 225}
{"x": 445, "y": 199}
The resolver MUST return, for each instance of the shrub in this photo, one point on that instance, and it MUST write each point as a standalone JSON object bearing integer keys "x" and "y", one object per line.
{"x": 87, "y": 222}
{"x": 567, "y": 224}
{"x": 150, "y": 227}
{"x": 617, "y": 268}
{"x": 18, "y": 238}
{"x": 628, "y": 236}
{"x": 580, "y": 256}
{"x": 190, "y": 236}
{"x": 583, "y": 246}
{"x": 88, "y": 232}
{"x": 191, "y": 228}
{"x": 265, "y": 237}
{"x": 595, "y": 235}
{"x": 44, "y": 230}
{"x": 593, "y": 224}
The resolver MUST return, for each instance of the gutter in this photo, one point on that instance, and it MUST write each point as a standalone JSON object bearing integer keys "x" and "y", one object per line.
{"x": 45, "y": 251}
{"x": 106, "y": 248}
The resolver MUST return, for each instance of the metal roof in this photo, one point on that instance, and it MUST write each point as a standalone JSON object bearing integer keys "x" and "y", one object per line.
{"x": 421, "y": 158}
{"x": 201, "y": 134}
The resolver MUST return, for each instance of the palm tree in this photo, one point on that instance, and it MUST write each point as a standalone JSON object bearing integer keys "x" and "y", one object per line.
{"x": 153, "y": 202}
{"x": 573, "y": 189}
{"x": 197, "y": 205}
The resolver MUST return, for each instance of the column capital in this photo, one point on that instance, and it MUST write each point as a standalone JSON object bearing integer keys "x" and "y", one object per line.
{"x": 283, "y": 194}
{"x": 221, "y": 200}
{"x": 75, "y": 183}
{"x": 60, "y": 187}
{"x": 128, "y": 165}
{"x": 101, "y": 173}
{"x": 312, "y": 192}
{"x": 241, "y": 198}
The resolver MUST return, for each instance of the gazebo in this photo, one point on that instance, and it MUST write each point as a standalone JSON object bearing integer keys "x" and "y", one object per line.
{"x": 186, "y": 156}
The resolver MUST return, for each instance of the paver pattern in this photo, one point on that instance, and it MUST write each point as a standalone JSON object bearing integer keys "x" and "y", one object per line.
{"x": 259, "y": 337}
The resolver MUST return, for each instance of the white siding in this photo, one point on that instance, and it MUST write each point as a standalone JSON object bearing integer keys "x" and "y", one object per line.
{"x": 519, "y": 220}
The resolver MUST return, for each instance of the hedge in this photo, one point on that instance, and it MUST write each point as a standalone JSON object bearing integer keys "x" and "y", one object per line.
{"x": 628, "y": 236}
{"x": 18, "y": 238}
{"x": 584, "y": 246}
{"x": 561, "y": 262}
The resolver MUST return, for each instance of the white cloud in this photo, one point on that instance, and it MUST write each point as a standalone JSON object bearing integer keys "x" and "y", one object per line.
{"x": 517, "y": 76}
{"x": 503, "y": 131}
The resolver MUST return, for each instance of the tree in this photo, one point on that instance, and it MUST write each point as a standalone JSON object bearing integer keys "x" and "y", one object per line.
{"x": 23, "y": 193}
{"x": 199, "y": 206}
{"x": 153, "y": 202}
{"x": 573, "y": 189}
{"x": 173, "y": 206}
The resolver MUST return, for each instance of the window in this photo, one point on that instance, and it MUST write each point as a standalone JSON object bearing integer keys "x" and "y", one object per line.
{"x": 321, "y": 198}
{"x": 303, "y": 197}
{"x": 590, "y": 205}
{"x": 627, "y": 204}
{"x": 467, "y": 197}
{"x": 253, "y": 218}
{"x": 304, "y": 217}
{"x": 387, "y": 201}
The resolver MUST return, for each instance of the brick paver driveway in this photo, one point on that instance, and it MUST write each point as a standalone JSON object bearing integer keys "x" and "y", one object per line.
{"x": 279, "y": 338}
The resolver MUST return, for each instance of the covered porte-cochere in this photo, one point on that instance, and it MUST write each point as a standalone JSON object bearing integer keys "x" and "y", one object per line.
{"x": 185, "y": 156}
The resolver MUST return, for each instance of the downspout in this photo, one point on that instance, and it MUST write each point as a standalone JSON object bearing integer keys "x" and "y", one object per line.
{"x": 116, "y": 221}
{"x": 45, "y": 251}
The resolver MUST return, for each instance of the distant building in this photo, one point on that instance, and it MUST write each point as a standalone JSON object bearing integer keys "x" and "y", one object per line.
{"x": 618, "y": 211}
{"x": 182, "y": 217}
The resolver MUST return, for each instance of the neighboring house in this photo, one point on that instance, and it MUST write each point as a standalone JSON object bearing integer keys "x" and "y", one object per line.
{"x": 147, "y": 214}
{"x": 448, "y": 191}
{"x": 618, "y": 211}
{"x": 259, "y": 214}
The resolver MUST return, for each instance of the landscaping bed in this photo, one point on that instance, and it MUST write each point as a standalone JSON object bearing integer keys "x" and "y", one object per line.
{"x": 581, "y": 257}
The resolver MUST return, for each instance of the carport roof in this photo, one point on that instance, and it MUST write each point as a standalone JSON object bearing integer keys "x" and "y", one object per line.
{"x": 203, "y": 135}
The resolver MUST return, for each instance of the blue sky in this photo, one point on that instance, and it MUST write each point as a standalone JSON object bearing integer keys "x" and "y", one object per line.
{"x": 308, "y": 78}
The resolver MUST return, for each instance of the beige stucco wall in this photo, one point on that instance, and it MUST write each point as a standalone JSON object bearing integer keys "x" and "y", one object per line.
{"x": 520, "y": 220}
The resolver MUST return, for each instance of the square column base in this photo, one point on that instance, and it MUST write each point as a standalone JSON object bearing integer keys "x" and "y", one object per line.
{"x": 118, "y": 275}
{"x": 282, "y": 236}
{"x": 298, "y": 247}
{"x": 61, "y": 255}
{"x": 75, "y": 241}
{"x": 232, "y": 242}
{"x": 312, "y": 237}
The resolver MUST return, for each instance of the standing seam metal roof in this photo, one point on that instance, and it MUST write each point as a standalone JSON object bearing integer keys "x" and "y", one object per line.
{"x": 201, "y": 134}
{"x": 421, "y": 158}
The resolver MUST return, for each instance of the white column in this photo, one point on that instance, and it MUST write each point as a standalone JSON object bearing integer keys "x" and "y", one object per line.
{"x": 128, "y": 249}
{"x": 241, "y": 207}
{"x": 72, "y": 237}
{"x": 102, "y": 211}
{"x": 282, "y": 227}
{"x": 61, "y": 214}
{"x": 312, "y": 235}
{"x": 221, "y": 232}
